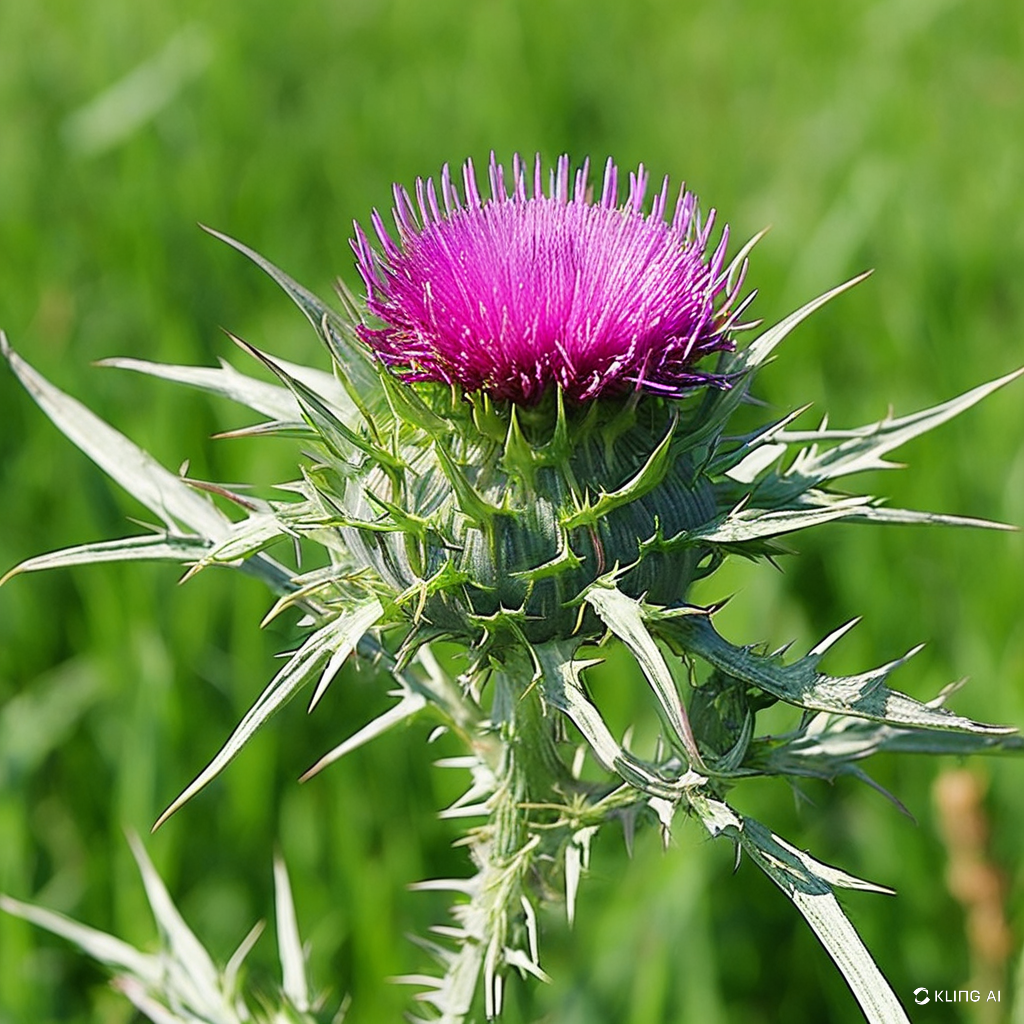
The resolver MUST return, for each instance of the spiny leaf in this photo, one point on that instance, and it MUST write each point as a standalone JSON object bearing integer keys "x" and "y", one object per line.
{"x": 245, "y": 538}
{"x": 906, "y": 516}
{"x": 718, "y": 406}
{"x": 160, "y": 490}
{"x": 563, "y": 689}
{"x": 625, "y": 618}
{"x": 136, "y": 471}
{"x": 102, "y": 947}
{"x": 329, "y": 423}
{"x": 828, "y": 745}
{"x": 742, "y": 525}
{"x": 296, "y": 429}
{"x": 863, "y": 696}
{"x": 353, "y": 360}
{"x": 409, "y": 705}
{"x": 182, "y": 943}
{"x": 180, "y": 984}
{"x": 322, "y": 652}
{"x": 731, "y": 456}
{"x": 149, "y": 547}
{"x": 758, "y": 351}
{"x": 289, "y": 945}
{"x": 862, "y": 449}
{"x": 269, "y": 399}
{"x": 808, "y": 883}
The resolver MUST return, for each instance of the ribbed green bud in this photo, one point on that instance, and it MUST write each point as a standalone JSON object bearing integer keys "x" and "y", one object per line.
{"x": 525, "y": 525}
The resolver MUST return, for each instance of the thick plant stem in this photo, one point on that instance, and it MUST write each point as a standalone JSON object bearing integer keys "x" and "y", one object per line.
{"x": 497, "y": 925}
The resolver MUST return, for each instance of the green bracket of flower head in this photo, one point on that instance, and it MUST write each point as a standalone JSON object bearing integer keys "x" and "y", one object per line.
{"x": 519, "y": 457}
{"x": 487, "y": 418}
{"x": 407, "y": 407}
{"x": 473, "y": 505}
{"x": 523, "y": 457}
{"x": 645, "y": 480}
{"x": 448, "y": 577}
{"x": 565, "y": 561}
{"x": 559, "y": 447}
{"x": 402, "y": 520}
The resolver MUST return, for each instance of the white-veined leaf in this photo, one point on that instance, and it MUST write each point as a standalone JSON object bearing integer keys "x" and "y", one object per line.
{"x": 353, "y": 358}
{"x": 289, "y": 944}
{"x": 563, "y": 690}
{"x": 409, "y": 705}
{"x": 272, "y": 400}
{"x": 808, "y": 883}
{"x": 746, "y": 524}
{"x": 862, "y": 449}
{"x": 800, "y": 683}
{"x": 148, "y": 547}
{"x": 624, "y": 617}
{"x": 100, "y": 946}
{"x": 198, "y": 971}
{"x": 163, "y": 493}
{"x": 319, "y": 649}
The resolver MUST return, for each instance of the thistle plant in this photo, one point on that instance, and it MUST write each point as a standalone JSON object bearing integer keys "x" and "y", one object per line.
{"x": 526, "y": 447}
{"x": 180, "y": 983}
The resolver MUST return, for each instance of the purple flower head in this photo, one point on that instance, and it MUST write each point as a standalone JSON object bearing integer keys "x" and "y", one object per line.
{"x": 530, "y": 288}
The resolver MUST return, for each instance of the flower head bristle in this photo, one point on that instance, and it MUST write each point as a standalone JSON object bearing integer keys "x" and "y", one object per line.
{"x": 532, "y": 287}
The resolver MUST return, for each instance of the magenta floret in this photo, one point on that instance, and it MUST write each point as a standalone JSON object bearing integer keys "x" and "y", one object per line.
{"x": 534, "y": 287}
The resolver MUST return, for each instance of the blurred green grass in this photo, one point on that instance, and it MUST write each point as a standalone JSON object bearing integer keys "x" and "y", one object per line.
{"x": 884, "y": 134}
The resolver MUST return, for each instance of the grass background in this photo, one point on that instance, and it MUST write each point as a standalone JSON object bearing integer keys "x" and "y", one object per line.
{"x": 886, "y": 134}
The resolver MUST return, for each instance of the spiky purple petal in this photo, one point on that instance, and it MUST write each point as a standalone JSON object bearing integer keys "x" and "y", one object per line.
{"x": 532, "y": 287}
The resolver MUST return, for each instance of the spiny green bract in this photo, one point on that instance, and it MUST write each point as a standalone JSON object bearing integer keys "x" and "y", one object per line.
{"x": 494, "y": 521}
